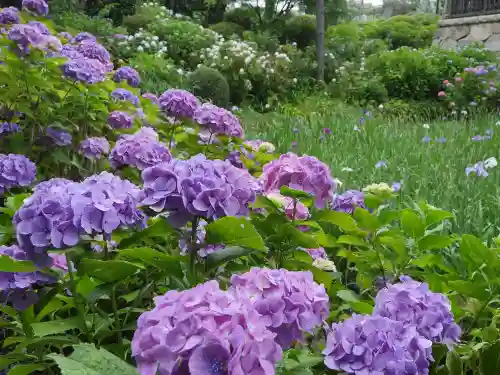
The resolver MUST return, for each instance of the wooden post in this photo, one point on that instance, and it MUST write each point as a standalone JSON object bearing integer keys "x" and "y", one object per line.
{"x": 320, "y": 39}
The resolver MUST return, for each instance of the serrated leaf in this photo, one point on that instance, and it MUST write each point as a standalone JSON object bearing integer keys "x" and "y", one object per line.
{"x": 153, "y": 258}
{"x": 352, "y": 240}
{"x": 52, "y": 327}
{"x": 341, "y": 219}
{"x": 366, "y": 220}
{"x": 26, "y": 369}
{"x": 435, "y": 241}
{"x": 411, "y": 224}
{"x": 7, "y": 264}
{"x": 347, "y": 295}
{"x": 108, "y": 270}
{"x": 225, "y": 255}
{"x": 234, "y": 231}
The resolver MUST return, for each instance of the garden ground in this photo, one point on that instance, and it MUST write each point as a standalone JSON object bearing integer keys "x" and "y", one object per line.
{"x": 352, "y": 142}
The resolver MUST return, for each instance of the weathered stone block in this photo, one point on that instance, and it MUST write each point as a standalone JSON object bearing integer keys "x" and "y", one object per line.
{"x": 459, "y": 32}
{"x": 493, "y": 43}
{"x": 448, "y": 43}
{"x": 479, "y": 33}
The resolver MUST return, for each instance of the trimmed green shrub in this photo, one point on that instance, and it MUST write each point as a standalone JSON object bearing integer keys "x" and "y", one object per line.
{"x": 227, "y": 29}
{"x": 265, "y": 40}
{"x": 246, "y": 17}
{"x": 301, "y": 30}
{"x": 138, "y": 21}
{"x": 209, "y": 84}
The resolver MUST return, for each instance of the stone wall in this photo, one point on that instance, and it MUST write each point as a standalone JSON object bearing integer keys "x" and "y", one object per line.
{"x": 459, "y": 31}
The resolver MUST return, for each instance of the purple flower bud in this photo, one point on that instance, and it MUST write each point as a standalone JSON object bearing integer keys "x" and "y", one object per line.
{"x": 348, "y": 201}
{"x": 125, "y": 95}
{"x": 126, "y": 73}
{"x": 94, "y": 147}
{"x": 9, "y": 128}
{"x": 83, "y": 36}
{"x": 178, "y": 103}
{"x": 218, "y": 120}
{"x": 37, "y": 7}
{"x": 16, "y": 171}
{"x": 151, "y": 97}
{"x": 9, "y": 16}
{"x": 120, "y": 120}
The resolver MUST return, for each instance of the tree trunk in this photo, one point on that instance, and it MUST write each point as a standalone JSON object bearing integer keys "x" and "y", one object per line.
{"x": 320, "y": 39}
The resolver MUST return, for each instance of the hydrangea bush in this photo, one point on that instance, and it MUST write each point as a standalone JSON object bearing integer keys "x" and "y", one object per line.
{"x": 175, "y": 255}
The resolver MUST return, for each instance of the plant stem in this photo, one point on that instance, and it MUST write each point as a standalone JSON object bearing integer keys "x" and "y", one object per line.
{"x": 116, "y": 313}
{"x": 72, "y": 288}
{"x": 192, "y": 246}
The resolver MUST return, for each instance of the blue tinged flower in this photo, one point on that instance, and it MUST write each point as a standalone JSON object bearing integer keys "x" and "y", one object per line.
{"x": 381, "y": 164}
{"x": 59, "y": 137}
{"x": 426, "y": 139}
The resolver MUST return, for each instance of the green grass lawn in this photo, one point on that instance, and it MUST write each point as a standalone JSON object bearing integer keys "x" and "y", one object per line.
{"x": 432, "y": 171}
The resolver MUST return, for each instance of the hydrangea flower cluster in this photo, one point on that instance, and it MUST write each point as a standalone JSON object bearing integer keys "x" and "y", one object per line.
{"x": 83, "y": 36}
{"x": 9, "y": 16}
{"x": 59, "y": 137}
{"x": 92, "y": 50}
{"x": 15, "y": 171}
{"x": 128, "y": 74}
{"x": 59, "y": 262}
{"x": 203, "y": 330}
{"x": 82, "y": 69}
{"x": 125, "y": 95}
{"x": 60, "y": 211}
{"x": 287, "y": 203}
{"x": 218, "y": 120}
{"x": 178, "y": 103}
{"x": 26, "y": 36}
{"x": 198, "y": 187}
{"x": 348, "y": 201}
{"x": 94, "y": 147}
{"x": 141, "y": 150}
{"x": 304, "y": 173}
{"x": 37, "y": 7}
{"x": 374, "y": 345}
{"x": 19, "y": 288}
{"x": 42, "y": 29}
{"x": 8, "y": 128}
{"x": 152, "y": 97}
{"x": 290, "y": 302}
{"x": 120, "y": 120}
{"x": 201, "y": 233}
{"x": 412, "y": 303}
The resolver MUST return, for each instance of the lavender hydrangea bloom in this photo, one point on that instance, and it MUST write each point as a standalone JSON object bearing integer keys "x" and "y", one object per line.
{"x": 85, "y": 70}
{"x": 26, "y": 36}
{"x": 218, "y": 120}
{"x": 95, "y": 51}
{"x": 293, "y": 210}
{"x": 59, "y": 262}
{"x": 304, "y": 173}
{"x": 120, "y": 120}
{"x": 125, "y": 95}
{"x": 141, "y": 150}
{"x": 318, "y": 253}
{"x": 9, "y": 16}
{"x": 203, "y": 330}
{"x": 42, "y": 29}
{"x": 15, "y": 170}
{"x": 94, "y": 147}
{"x": 374, "y": 345}
{"x": 83, "y": 36}
{"x": 200, "y": 239}
{"x": 348, "y": 201}
{"x": 178, "y": 103}
{"x": 37, "y": 7}
{"x": 59, "y": 137}
{"x": 126, "y": 73}
{"x": 412, "y": 303}
{"x": 70, "y": 52}
{"x": 8, "y": 128}
{"x": 60, "y": 211}
{"x": 19, "y": 288}
{"x": 151, "y": 97}
{"x": 198, "y": 186}
{"x": 290, "y": 302}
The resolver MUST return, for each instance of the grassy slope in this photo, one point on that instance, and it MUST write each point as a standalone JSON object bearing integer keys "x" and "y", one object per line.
{"x": 431, "y": 171}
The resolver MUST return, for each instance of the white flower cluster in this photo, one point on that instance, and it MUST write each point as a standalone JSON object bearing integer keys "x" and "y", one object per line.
{"x": 163, "y": 12}
{"x": 143, "y": 41}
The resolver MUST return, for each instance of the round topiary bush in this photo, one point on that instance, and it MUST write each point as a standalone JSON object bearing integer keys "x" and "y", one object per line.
{"x": 209, "y": 84}
{"x": 301, "y": 30}
{"x": 227, "y": 29}
{"x": 244, "y": 16}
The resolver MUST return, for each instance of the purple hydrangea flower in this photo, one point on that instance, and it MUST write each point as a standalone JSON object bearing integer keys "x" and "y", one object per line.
{"x": 65, "y": 35}
{"x": 94, "y": 147}
{"x": 70, "y": 51}
{"x": 412, "y": 303}
{"x": 151, "y": 97}
{"x": 178, "y": 103}
{"x": 8, "y": 128}
{"x": 318, "y": 253}
{"x": 198, "y": 186}
{"x": 120, "y": 120}
{"x": 42, "y": 29}
{"x": 15, "y": 170}
{"x": 348, "y": 201}
{"x": 59, "y": 137}
{"x": 9, "y": 16}
{"x": 60, "y": 211}
{"x": 59, "y": 262}
{"x": 95, "y": 51}
{"x": 289, "y": 206}
{"x": 85, "y": 70}
{"x": 126, "y": 73}
{"x": 83, "y": 36}
{"x": 203, "y": 330}
{"x": 304, "y": 173}
{"x": 218, "y": 120}
{"x": 141, "y": 150}
{"x": 26, "y": 36}
{"x": 125, "y": 95}
{"x": 37, "y": 7}
{"x": 201, "y": 233}
{"x": 374, "y": 345}
{"x": 290, "y": 303}
{"x": 19, "y": 288}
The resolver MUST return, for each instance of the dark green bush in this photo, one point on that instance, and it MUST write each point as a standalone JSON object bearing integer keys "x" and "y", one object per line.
{"x": 157, "y": 74}
{"x": 301, "y": 30}
{"x": 227, "y": 29}
{"x": 209, "y": 84}
{"x": 75, "y": 22}
{"x": 264, "y": 40}
{"x": 244, "y": 16}
{"x": 138, "y": 21}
